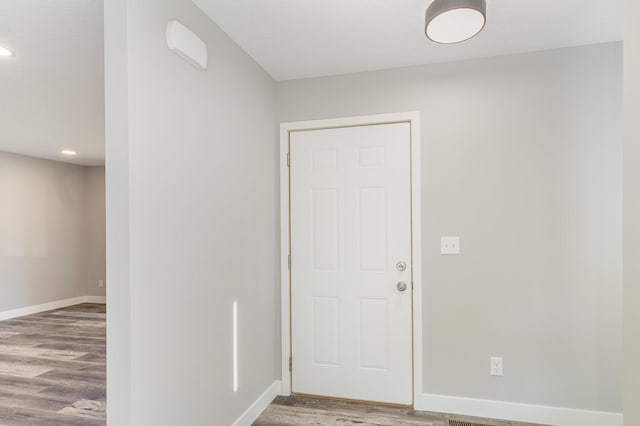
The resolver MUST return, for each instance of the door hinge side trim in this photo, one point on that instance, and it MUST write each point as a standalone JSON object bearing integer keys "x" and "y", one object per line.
{"x": 290, "y": 364}
{"x": 289, "y": 262}
{"x": 288, "y": 160}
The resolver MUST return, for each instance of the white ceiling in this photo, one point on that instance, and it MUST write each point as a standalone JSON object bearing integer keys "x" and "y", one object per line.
{"x": 51, "y": 92}
{"x": 308, "y": 38}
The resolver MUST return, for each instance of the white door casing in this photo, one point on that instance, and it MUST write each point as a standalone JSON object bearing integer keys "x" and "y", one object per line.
{"x": 359, "y": 179}
{"x": 286, "y": 129}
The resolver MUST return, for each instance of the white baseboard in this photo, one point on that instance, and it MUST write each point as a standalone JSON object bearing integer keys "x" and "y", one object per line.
{"x": 36, "y": 309}
{"x": 502, "y": 410}
{"x": 95, "y": 299}
{"x": 259, "y": 405}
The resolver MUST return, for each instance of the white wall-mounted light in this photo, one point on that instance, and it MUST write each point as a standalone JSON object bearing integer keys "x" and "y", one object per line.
{"x": 453, "y": 21}
{"x": 68, "y": 152}
{"x": 5, "y": 52}
{"x": 185, "y": 43}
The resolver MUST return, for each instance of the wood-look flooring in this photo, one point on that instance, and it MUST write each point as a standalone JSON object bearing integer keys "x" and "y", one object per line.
{"x": 301, "y": 411}
{"x": 52, "y": 368}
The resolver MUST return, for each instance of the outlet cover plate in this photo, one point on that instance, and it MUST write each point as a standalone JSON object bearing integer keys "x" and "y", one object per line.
{"x": 496, "y": 368}
{"x": 449, "y": 245}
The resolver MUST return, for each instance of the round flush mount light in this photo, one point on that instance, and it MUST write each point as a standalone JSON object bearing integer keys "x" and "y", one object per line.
{"x": 68, "y": 152}
{"x": 453, "y": 21}
{"x": 5, "y": 52}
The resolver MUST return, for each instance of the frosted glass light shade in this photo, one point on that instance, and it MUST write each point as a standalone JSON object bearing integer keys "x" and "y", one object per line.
{"x": 453, "y": 21}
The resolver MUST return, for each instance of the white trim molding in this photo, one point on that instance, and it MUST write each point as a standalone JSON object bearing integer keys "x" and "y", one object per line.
{"x": 516, "y": 411}
{"x": 413, "y": 118}
{"x": 95, "y": 299}
{"x": 259, "y": 405}
{"x": 36, "y": 309}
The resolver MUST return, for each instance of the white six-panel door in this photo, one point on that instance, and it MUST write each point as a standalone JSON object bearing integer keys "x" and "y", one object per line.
{"x": 350, "y": 225}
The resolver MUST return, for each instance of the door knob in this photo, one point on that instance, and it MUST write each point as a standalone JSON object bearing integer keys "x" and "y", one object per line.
{"x": 402, "y": 286}
{"x": 401, "y": 266}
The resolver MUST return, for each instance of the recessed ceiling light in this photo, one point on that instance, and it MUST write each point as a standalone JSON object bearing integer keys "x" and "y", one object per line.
{"x": 453, "y": 21}
{"x": 5, "y": 52}
{"x": 68, "y": 152}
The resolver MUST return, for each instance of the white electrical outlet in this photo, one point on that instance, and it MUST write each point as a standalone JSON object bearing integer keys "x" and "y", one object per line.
{"x": 496, "y": 366}
{"x": 100, "y": 283}
{"x": 449, "y": 245}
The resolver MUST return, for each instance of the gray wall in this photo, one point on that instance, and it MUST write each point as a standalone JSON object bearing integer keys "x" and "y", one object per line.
{"x": 632, "y": 213}
{"x": 95, "y": 250}
{"x": 521, "y": 158}
{"x": 47, "y": 217}
{"x": 117, "y": 213}
{"x": 191, "y": 184}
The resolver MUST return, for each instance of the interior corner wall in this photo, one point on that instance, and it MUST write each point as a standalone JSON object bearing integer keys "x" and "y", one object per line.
{"x": 95, "y": 250}
{"x": 192, "y": 190}
{"x": 521, "y": 157}
{"x": 42, "y": 245}
{"x": 632, "y": 213}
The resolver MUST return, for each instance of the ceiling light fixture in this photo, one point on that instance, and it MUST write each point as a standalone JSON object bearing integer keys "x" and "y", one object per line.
{"x": 68, "y": 152}
{"x": 5, "y": 52}
{"x": 453, "y": 21}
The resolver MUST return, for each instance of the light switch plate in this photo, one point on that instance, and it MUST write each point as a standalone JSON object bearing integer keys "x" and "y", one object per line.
{"x": 449, "y": 245}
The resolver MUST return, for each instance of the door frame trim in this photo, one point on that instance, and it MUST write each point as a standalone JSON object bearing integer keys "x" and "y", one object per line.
{"x": 413, "y": 118}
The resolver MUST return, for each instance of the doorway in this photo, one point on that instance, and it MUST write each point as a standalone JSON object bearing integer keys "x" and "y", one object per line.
{"x": 351, "y": 288}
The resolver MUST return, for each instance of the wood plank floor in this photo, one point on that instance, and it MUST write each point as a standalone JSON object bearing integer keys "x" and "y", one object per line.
{"x": 301, "y": 411}
{"x": 52, "y": 368}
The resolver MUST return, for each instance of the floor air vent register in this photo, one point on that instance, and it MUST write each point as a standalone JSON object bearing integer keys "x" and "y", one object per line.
{"x": 466, "y": 423}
